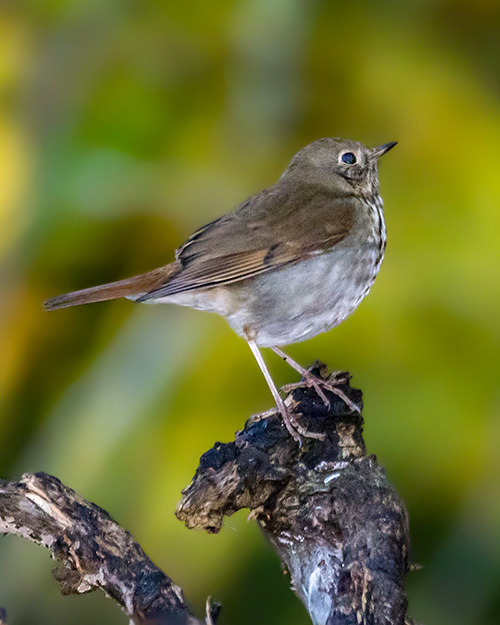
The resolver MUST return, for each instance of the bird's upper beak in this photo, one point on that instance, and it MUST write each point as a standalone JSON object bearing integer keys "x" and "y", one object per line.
{"x": 382, "y": 149}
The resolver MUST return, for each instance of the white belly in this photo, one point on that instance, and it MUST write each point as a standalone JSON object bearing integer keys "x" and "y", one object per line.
{"x": 301, "y": 301}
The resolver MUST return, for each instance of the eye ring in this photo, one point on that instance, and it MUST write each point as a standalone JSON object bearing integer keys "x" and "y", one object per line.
{"x": 348, "y": 158}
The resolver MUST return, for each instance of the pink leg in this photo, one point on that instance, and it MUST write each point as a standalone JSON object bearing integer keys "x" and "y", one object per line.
{"x": 290, "y": 424}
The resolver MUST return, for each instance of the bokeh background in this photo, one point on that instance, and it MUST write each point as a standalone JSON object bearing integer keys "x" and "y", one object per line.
{"x": 126, "y": 125}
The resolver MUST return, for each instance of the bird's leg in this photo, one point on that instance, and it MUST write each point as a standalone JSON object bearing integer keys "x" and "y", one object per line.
{"x": 272, "y": 387}
{"x": 290, "y": 423}
{"x": 317, "y": 383}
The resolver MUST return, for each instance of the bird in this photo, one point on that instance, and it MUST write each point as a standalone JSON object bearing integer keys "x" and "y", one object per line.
{"x": 288, "y": 263}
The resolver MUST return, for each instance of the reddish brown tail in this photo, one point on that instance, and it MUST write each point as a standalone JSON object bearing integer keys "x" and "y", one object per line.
{"x": 131, "y": 287}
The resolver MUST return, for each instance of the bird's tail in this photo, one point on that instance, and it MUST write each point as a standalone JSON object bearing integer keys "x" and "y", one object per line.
{"x": 131, "y": 288}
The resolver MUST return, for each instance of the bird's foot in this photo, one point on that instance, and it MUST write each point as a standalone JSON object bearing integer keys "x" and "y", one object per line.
{"x": 296, "y": 431}
{"x": 320, "y": 384}
{"x": 300, "y": 431}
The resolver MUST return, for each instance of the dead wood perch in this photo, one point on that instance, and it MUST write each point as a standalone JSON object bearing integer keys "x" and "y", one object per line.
{"x": 338, "y": 526}
{"x": 92, "y": 551}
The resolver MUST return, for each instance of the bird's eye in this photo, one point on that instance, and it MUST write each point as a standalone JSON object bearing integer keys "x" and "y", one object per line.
{"x": 349, "y": 158}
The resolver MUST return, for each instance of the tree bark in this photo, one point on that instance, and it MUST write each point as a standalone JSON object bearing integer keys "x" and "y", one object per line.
{"x": 92, "y": 551}
{"x": 338, "y": 526}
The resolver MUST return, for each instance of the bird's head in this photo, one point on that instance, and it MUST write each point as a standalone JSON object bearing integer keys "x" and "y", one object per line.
{"x": 349, "y": 166}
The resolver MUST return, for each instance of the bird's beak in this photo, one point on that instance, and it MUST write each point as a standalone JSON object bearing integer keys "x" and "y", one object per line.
{"x": 382, "y": 149}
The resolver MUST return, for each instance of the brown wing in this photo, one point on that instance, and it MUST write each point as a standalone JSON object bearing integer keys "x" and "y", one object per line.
{"x": 270, "y": 230}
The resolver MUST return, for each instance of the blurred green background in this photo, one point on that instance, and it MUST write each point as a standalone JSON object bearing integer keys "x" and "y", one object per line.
{"x": 126, "y": 125}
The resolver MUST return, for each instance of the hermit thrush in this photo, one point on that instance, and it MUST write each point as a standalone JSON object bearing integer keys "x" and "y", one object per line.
{"x": 288, "y": 263}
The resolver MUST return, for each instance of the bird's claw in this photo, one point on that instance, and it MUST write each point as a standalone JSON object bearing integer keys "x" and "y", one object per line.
{"x": 318, "y": 384}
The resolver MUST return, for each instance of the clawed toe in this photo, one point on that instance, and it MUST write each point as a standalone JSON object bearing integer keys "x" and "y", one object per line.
{"x": 294, "y": 427}
{"x": 316, "y": 384}
{"x": 320, "y": 385}
{"x": 303, "y": 431}
{"x": 311, "y": 384}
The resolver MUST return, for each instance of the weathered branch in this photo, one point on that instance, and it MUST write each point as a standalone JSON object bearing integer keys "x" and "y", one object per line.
{"x": 92, "y": 551}
{"x": 337, "y": 524}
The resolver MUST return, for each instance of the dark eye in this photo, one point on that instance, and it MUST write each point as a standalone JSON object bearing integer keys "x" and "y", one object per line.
{"x": 349, "y": 158}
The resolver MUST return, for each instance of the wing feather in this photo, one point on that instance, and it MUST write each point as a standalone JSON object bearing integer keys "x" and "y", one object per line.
{"x": 269, "y": 231}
